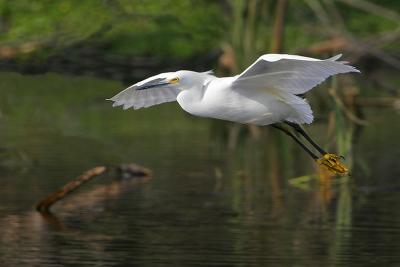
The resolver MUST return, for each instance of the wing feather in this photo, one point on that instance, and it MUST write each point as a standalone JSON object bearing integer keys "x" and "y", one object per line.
{"x": 131, "y": 97}
{"x": 290, "y": 73}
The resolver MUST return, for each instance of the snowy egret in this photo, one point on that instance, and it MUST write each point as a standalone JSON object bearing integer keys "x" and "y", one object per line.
{"x": 268, "y": 92}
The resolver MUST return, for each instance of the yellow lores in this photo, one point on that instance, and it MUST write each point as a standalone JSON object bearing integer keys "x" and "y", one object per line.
{"x": 332, "y": 163}
{"x": 174, "y": 80}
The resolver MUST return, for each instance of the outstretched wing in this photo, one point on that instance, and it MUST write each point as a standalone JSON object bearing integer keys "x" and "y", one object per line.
{"x": 131, "y": 97}
{"x": 289, "y": 73}
{"x": 149, "y": 92}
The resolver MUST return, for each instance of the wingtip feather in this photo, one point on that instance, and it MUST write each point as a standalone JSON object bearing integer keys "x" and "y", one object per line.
{"x": 116, "y": 104}
{"x": 334, "y": 58}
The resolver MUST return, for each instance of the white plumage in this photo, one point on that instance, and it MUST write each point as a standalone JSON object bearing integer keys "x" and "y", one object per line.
{"x": 130, "y": 97}
{"x": 265, "y": 93}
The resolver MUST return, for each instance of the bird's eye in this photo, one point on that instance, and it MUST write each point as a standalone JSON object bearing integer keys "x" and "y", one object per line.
{"x": 174, "y": 80}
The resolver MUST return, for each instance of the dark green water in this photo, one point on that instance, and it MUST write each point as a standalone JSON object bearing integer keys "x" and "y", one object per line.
{"x": 204, "y": 205}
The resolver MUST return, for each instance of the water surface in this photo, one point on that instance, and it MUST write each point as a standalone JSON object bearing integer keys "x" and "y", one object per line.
{"x": 204, "y": 205}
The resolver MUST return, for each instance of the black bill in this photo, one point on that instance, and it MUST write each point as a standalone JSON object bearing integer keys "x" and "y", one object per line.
{"x": 153, "y": 83}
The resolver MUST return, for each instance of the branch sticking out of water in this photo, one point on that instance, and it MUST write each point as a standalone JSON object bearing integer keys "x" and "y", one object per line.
{"x": 71, "y": 186}
{"x": 124, "y": 171}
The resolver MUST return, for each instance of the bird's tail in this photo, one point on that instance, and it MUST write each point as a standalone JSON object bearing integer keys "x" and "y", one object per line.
{"x": 302, "y": 112}
{"x": 299, "y": 109}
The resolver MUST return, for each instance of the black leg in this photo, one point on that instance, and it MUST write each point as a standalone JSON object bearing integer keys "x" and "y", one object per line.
{"x": 306, "y": 136}
{"x": 296, "y": 139}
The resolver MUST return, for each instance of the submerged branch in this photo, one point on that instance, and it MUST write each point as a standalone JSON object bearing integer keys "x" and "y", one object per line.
{"x": 123, "y": 170}
{"x": 45, "y": 204}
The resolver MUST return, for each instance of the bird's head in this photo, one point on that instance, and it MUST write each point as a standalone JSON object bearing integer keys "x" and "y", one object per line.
{"x": 182, "y": 80}
{"x": 161, "y": 88}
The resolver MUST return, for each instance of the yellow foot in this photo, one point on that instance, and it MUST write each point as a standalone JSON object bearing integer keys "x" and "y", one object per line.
{"x": 332, "y": 163}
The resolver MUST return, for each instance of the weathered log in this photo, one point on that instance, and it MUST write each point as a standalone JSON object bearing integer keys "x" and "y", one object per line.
{"x": 45, "y": 204}
{"x": 124, "y": 171}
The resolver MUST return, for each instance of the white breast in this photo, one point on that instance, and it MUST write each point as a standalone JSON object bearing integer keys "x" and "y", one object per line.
{"x": 219, "y": 101}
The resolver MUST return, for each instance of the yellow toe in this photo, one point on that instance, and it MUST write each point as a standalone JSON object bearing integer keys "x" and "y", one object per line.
{"x": 333, "y": 164}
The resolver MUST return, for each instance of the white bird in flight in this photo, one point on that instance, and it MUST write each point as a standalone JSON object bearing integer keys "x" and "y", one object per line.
{"x": 268, "y": 92}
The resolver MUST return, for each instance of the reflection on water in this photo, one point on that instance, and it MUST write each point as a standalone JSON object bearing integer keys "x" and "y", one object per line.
{"x": 204, "y": 205}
